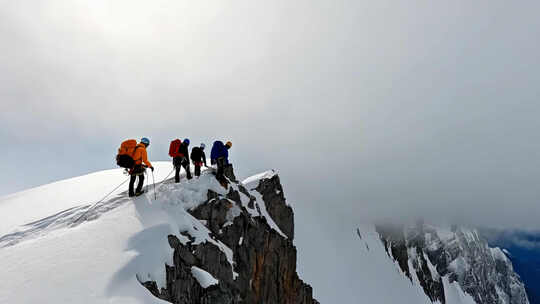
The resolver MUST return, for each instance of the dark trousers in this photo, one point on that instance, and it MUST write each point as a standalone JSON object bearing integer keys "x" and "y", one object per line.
{"x": 137, "y": 171}
{"x": 221, "y": 163}
{"x": 178, "y": 163}
{"x": 197, "y": 170}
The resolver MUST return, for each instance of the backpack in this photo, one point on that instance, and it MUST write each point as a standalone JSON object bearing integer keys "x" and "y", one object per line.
{"x": 217, "y": 150}
{"x": 196, "y": 154}
{"x": 124, "y": 158}
{"x": 174, "y": 148}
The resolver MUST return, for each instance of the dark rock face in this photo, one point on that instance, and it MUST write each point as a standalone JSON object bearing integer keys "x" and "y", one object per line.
{"x": 274, "y": 199}
{"x": 264, "y": 260}
{"x": 482, "y": 272}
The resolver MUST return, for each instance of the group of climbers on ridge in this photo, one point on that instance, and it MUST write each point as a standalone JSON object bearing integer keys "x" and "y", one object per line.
{"x": 134, "y": 158}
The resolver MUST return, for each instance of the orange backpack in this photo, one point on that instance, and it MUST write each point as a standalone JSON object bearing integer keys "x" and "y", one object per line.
{"x": 127, "y": 147}
{"x": 124, "y": 158}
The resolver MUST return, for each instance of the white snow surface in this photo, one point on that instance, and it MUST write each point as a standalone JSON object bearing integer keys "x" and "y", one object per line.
{"x": 51, "y": 253}
{"x": 498, "y": 254}
{"x": 253, "y": 181}
{"x": 203, "y": 277}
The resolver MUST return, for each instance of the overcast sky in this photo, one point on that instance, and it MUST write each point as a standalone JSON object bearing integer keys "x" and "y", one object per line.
{"x": 369, "y": 109}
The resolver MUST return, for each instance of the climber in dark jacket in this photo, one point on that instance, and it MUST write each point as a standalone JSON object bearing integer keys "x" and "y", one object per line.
{"x": 199, "y": 158}
{"x": 182, "y": 161}
{"x": 220, "y": 156}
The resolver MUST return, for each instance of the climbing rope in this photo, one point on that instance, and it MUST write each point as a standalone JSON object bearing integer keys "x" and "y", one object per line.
{"x": 101, "y": 200}
{"x": 161, "y": 183}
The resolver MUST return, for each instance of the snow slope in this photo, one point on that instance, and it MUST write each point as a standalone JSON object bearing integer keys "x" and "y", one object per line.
{"x": 54, "y": 259}
{"x": 36, "y": 203}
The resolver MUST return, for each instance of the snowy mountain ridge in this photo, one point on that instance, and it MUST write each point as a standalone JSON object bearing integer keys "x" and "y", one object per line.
{"x": 202, "y": 243}
{"x": 432, "y": 257}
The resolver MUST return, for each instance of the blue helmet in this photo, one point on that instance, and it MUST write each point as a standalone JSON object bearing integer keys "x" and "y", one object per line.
{"x": 186, "y": 141}
{"x": 145, "y": 141}
{"x": 203, "y": 146}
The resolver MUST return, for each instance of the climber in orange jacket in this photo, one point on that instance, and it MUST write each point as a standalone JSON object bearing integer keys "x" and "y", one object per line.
{"x": 140, "y": 156}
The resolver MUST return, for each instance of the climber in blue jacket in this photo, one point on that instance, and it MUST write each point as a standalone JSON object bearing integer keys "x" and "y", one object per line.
{"x": 220, "y": 156}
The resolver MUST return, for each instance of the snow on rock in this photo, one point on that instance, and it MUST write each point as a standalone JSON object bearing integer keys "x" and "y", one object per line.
{"x": 454, "y": 293}
{"x": 204, "y": 278}
{"x": 256, "y": 205}
{"x": 245, "y": 235}
{"x": 253, "y": 181}
{"x": 498, "y": 254}
{"x": 261, "y": 209}
{"x": 455, "y": 266}
{"x": 378, "y": 279}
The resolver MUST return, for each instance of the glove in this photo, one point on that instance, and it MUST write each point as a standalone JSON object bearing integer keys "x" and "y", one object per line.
{"x": 152, "y": 168}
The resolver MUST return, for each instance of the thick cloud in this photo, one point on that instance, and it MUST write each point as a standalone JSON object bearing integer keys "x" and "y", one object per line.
{"x": 529, "y": 240}
{"x": 369, "y": 109}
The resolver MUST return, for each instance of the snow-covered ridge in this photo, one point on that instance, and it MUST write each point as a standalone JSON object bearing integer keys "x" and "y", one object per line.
{"x": 51, "y": 239}
{"x": 453, "y": 263}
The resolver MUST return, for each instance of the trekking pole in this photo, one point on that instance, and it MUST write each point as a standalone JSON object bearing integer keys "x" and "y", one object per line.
{"x": 147, "y": 180}
{"x": 154, "y": 182}
{"x": 95, "y": 204}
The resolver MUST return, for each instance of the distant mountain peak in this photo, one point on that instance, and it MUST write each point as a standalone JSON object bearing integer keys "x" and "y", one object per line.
{"x": 428, "y": 255}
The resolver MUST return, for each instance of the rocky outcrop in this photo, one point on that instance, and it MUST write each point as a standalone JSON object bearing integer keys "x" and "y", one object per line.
{"x": 264, "y": 257}
{"x": 426, "y": 254}
{"x": 274, "y": 199}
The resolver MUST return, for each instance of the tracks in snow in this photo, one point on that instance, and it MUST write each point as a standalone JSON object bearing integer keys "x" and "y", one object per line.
{"x": 69, "y": 218}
